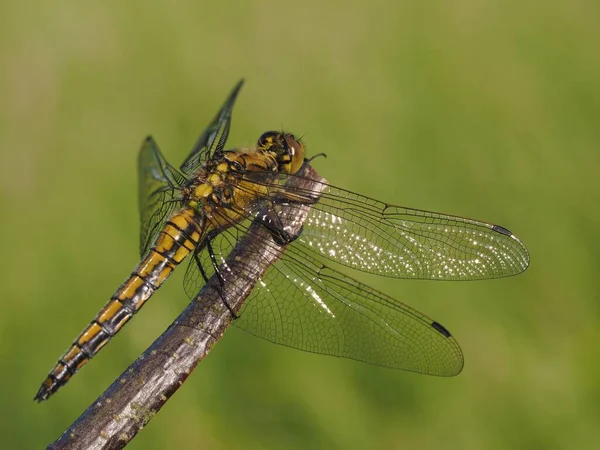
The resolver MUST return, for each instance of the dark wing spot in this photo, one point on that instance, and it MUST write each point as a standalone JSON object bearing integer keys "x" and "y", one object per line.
{"x": 440, "y": 328}
{"x": 501, "y": 230}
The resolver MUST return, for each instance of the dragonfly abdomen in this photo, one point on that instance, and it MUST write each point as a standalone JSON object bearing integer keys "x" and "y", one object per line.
{"x": 177, "y": 239}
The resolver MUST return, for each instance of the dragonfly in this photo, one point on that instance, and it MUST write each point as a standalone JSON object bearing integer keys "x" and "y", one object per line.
{"x": 303, "y": 300}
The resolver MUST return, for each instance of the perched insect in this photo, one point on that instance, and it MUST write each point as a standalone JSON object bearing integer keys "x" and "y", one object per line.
{"x": 207, "y": 206}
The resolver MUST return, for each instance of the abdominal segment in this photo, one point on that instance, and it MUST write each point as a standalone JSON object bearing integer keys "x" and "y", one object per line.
{"x": 179, "y": 237}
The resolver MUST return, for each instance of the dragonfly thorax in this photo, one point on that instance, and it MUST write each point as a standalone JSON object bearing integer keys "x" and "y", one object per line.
{"x": 218, "y": 183}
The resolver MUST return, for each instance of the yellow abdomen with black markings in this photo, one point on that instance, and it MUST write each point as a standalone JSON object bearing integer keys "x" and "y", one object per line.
{"x": 178, "y": 238}
{"x": 217, "y": 198}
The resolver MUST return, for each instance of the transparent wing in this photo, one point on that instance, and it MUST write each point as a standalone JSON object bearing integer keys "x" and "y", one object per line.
{"x": 303, "y": 304}
{"x": 400, "y": 242}
{"x": 158, "y": 188}
{"x": 214, "y": 137}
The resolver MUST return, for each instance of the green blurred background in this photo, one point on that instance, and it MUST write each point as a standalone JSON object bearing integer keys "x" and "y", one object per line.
{"x": 486, "y": 109}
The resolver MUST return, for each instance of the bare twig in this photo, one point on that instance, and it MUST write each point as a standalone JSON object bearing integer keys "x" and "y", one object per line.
{"x": 139, "y": 393}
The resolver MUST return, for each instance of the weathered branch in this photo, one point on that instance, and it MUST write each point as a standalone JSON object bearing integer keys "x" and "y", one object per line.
{"x": 139, "y": 393}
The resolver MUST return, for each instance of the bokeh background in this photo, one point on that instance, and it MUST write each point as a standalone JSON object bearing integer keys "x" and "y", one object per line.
{"x": 487, "y": 109}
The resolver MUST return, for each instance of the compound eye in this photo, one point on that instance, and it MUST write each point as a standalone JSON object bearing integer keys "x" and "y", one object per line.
{"x": 295, "y": 151}
{"x": 292, "y": 145}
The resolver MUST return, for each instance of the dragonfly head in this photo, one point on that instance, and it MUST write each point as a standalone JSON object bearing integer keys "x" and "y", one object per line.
{"x": 287, "y": 150}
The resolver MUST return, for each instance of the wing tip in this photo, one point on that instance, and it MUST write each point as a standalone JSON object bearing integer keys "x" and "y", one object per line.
{"x": 524, "y": 253}
{"x": 235, "y": 91}
{"x": 148, "y": 140}
{"x": 456, "y": 363}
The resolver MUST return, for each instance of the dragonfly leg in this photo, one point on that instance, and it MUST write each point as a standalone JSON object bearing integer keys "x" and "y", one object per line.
{"x": 207, "y": 244}
{"x": 272, "y": 222}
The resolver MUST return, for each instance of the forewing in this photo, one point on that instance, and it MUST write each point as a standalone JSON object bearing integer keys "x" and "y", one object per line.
{"x": 158, "y": 189}
{"x": 214, "y": 137}
{"x": 400, "y": 242}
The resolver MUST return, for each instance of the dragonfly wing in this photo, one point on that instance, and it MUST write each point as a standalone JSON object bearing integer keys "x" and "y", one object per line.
{"x": 303, "y": 304}
{"x": 158, "y": 184}
{"x": 214, "y": 137}
{"x": 400, "y": 242}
